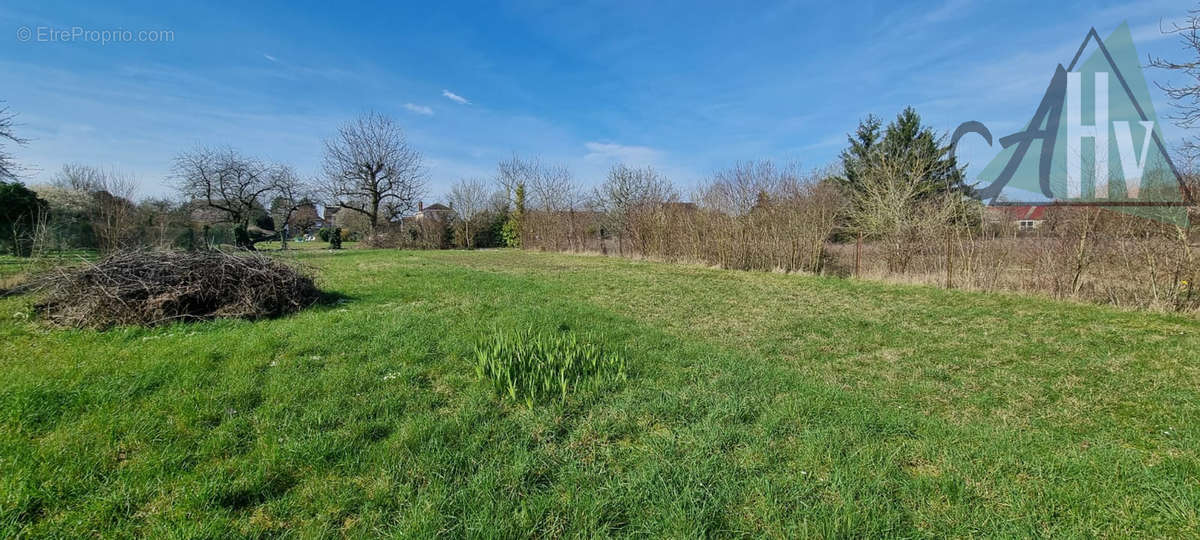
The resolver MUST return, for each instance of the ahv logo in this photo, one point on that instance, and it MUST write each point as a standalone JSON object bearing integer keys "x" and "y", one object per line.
{"x": 1093, "y": 141}
{"x": 1131, "y": 167}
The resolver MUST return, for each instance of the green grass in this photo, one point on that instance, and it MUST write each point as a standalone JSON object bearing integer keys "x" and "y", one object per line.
{"x": 755, "y": 404}
{"x": 316, "y": 245}
{"x": 15, "y": 270}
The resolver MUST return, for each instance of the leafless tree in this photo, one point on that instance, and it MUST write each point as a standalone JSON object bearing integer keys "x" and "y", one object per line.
{"x": 226, "y": 181}
{"x": 291, "y": 193}
{"x": 761, "y": 215}
{"x": 370, "y": 168}
{"x": 628, "y": 196}
{"x": 112, "y": 211}
{"x": 8, "y": 168}
{"x": 549, "y": 187}
{"x": 554, "y": 189}
{"x": 470, "y": 199}
{"x": 1188, "y": 164}
{"x": 160, "y": 216}
{"x": 511, "y": 173}
{"x": 78, "y": 177}
{"x": 894, "y": 205}
{"x": 552, "y": 198}
{"x": 1186, "y": 96}
{"x": 115, "y": 211}
{"x": 737, "y": 190}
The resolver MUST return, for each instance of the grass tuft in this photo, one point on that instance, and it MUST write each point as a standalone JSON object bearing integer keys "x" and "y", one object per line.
{"x": 531, "y": 367}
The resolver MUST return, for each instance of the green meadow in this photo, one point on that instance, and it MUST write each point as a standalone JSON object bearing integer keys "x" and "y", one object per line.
{"x": 750, "y": 404}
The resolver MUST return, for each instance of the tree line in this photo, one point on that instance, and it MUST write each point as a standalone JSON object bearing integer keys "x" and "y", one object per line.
{"x": 897, "y": 196}
{"x": 896, "y": 203}
{"x": 370, "y": 172}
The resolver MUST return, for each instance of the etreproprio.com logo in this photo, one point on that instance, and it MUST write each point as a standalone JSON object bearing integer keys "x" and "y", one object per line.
{"x": 80, "y": 34}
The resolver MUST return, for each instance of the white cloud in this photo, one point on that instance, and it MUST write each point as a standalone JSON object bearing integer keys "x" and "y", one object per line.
{"x": 269, "y": 57}
{"x": 455, "y": 97}
{"x": 949, "y": 9}
{"x": 419, "y": 109}
{"x": 630, "y": 155}
{"x": 830, "y": 141}
{"x": 1154, "y": 31}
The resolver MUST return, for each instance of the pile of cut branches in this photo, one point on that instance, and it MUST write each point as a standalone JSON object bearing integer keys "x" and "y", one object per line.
{"x": 156, "y": 287}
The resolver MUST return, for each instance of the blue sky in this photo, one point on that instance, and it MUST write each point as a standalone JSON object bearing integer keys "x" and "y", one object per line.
{"x": 685, "y": 87}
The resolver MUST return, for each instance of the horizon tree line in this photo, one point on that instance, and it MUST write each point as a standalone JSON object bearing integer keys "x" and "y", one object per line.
{"x": 894, "y": 181}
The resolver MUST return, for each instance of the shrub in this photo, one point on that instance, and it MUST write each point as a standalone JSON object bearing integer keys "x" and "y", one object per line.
{"x": 534, "y": 368}
{"x": 150, "y": 288}
{"x": 335, "y": 239}
{"x": 265, "y": 222}
{"x": 241, "y": 237}
{"x": 19, "y": 211}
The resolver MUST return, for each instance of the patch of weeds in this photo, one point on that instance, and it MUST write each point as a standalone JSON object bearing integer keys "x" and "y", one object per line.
{"x": 531, "y": 367}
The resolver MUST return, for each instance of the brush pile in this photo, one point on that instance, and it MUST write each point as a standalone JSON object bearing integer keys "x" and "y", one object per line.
{"x": 149, "y": 288}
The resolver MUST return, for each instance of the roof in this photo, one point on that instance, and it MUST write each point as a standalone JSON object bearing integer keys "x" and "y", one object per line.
{"x": 1035, "y": 213}
{"x": 436, "y": 206}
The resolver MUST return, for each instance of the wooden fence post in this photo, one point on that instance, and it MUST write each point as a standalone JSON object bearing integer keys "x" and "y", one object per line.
{"x": 949, "y": 263}
{"x": 858, "y": 255}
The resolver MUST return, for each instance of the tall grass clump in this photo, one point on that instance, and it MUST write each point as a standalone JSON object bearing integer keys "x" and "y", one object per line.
{"x": 543, "y": 367}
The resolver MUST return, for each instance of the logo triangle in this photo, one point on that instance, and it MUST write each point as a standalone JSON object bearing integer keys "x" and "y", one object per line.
{"x": 1094, "y": 140}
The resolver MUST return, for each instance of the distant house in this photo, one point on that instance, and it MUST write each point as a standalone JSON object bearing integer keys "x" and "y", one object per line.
{"x": 1024, "y": 218}
{"x": 434, "y": 211}
{"x": 327, "y": 217}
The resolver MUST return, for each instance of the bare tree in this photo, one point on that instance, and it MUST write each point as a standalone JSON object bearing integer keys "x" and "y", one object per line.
{"x": 160, "y": 216}
{"x": 510, "y": 174}
{"x": 549, "y": 187}
{"x": 112, "y": 212}
{"x": 116, "y": 213}
{"x": 553, "y": 188}
{"x": 737, "y": 190}
{"x": 628, "y": 195}
{"x": 291, "y": 194}
{"x": 470, "y": 199}
{"x": 761, "y": 215}
{"x": 78, "y": 177}
{"x": 226, "y": 181}
{"x": 8, "y": 167}
{"x": 1186, "y": 97}
{"x": 520, "y": 172}
{"x": 552, "y": 197}
{"x": 894, "y": 204}
{"x": 371, "y": 169}
{"x": 807, "y": 210}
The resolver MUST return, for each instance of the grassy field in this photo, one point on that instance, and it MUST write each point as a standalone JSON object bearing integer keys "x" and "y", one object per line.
{"x": 755, "y": 404}
{"x": 315, "y": 245}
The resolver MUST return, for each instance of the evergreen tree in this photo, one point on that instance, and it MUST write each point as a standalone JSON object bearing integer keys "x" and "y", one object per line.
{"x": 19, "y": 210}
{"x": 241, "y": 237}
{"x": 904, "y": 137}
{"x": 335, "y": 238}
{"x": 862, "y": 144}
{"x": 511, "y": 232}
